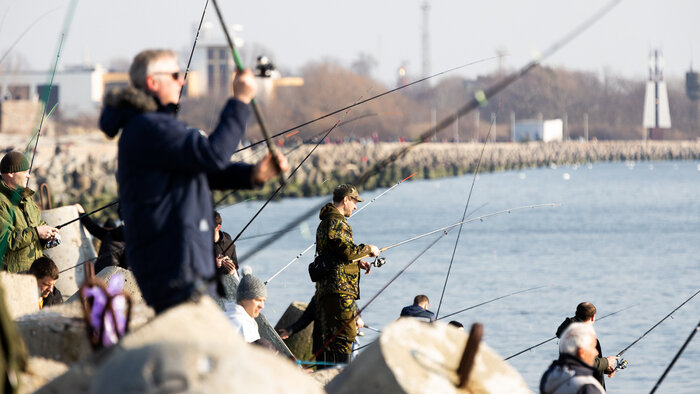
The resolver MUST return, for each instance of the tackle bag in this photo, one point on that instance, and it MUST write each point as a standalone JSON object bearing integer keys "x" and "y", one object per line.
{"x": 319, "y": 268}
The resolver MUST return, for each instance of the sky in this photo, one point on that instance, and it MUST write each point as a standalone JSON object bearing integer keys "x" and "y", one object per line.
{"x": 294, "y": 33}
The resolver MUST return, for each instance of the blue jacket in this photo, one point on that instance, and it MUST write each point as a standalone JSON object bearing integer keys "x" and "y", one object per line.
{"x": 417, "y": 311}
{"x": 165, "y": 173}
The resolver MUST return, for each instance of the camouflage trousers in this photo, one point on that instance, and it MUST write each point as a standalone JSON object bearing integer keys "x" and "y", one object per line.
{"x": 336, "y": 314}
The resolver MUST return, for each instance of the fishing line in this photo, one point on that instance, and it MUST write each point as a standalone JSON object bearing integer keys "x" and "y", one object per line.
{"x": 654, "y": 326}
{"x": 189, "y": 61}
{"x": 687, "y": 341}
{"x": 253, "y": 101}
{"x": 490, "y": 301}
{"x": 370, "y": 99}
{"x": 37, "y": 20}
{"x": 555, "y": 337}
{"x": 479, "y": 98}
{"x": 298, "y": 256}
{"x": 445, "y": 231}
{"x": 466, "y": 206}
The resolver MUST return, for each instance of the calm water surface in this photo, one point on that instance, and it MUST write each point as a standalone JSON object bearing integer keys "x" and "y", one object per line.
{"x": 626, "y": 234}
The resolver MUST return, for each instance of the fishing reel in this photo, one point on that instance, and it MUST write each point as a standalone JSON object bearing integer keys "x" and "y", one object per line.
{"x": 379, "y": 261}
{"x": 52, "y": 243}
{"x": 621, "y": 364}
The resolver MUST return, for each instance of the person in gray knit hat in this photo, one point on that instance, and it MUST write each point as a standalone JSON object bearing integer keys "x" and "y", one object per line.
{"x": 22, "y": 232}
{"x": 250, "y": 300}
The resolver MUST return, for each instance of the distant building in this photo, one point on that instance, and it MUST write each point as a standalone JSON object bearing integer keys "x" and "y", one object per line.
{"x": 657, "y": 115}
{"x": 538, "y": 130}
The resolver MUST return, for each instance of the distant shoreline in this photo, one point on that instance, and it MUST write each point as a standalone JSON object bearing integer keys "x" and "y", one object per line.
{"x": 83, "y": 170}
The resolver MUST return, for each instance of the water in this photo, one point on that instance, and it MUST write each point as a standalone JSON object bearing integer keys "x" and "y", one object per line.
{"x": 626, "y": 234}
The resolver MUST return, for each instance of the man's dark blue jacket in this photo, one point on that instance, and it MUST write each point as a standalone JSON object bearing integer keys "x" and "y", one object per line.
{"x": 417, "y": 311}
{"x": 165, "y": 173}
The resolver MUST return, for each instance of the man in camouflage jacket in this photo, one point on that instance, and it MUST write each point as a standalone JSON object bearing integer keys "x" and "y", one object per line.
{"x": 21, "y": 229}
{"x": 337, "y": 291}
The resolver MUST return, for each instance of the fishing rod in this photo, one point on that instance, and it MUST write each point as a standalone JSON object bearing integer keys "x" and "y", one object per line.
{"x": 445, "y": 231}
{"x": 115, "y": 202}
{"x": 490, "y": 301}
{"x": 310, "y": 140}
{"x": 253, "y": 101}
{"x": 687, "y": 341}
{"x": 555, "y": 337}
{"x": 466, "y": 206}
{"x": 37, "y": 20}
{"x": 194, "y": 45}
{"x": 621, "y": 363}
{"x": 47, "y": 95}
{"x": 370, "y": 99}
{"x": 372, "y": 329}
{"x": 451, "y": 226}
{"x": 375, "y": 198}
{"x": 480, "y": 97}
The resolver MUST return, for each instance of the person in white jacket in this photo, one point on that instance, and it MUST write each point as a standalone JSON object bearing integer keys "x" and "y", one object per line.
{"x": 250, "y": 300}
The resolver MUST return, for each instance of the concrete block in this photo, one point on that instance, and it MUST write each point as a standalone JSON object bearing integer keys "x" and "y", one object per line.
{"x": 39, "y": 372}
{"x": 75, "y": 248}
{"x": 300, "y": 343}
{"x": 130, "y": 286}
{"x": 21, "y": 293}
{"x": 415, "y": 357}
{"x": 59, "y": 332}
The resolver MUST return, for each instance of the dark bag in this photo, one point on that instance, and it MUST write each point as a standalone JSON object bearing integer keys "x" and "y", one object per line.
{"x": 319, "y": 269}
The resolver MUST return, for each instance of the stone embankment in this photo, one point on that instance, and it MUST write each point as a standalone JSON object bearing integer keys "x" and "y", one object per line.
{"x": 81, "y": 168}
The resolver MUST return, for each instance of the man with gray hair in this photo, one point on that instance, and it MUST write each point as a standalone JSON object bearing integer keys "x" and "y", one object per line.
{"x": 166, "y": 172}
{"x": 573, "y": 372}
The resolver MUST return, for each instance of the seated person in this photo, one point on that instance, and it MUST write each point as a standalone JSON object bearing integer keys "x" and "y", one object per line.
{"x": 419, "y": 309}
{"x": 111, "y": 238}
{"x": 250, "y": 300}
{"x": 226, "y": 260}
{"x": 46, "y": 274}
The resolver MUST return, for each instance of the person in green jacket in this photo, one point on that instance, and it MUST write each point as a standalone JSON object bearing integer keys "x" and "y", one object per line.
{"x": 336, "y": 309}
{"x": 22, "y": 232}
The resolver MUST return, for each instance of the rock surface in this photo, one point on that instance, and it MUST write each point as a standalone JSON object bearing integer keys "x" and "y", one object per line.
{"x": 300, "y": 343}
{"x": 416, "y": 357}
{"x": 21, "y": 293}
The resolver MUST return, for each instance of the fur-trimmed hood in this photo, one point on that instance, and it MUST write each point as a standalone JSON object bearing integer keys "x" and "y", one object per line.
{"x": 121, "y": 104}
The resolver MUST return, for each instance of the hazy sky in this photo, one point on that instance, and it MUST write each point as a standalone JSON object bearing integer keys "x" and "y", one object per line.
{"x": 297, "y": 32}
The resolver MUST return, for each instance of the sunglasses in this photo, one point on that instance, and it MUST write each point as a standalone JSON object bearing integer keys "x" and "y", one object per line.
{"x": 175, "y": 75}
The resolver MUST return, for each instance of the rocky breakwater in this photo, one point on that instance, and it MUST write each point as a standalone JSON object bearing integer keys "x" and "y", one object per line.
{"x": 82, "y": 168}
{"x": 331, "y": 164}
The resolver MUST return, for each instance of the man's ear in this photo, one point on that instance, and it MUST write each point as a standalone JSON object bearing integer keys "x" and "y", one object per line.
{"x": 152, "y": 83}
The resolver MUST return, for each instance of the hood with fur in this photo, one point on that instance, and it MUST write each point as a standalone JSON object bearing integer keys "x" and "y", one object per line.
{"x": 120, "y": 105}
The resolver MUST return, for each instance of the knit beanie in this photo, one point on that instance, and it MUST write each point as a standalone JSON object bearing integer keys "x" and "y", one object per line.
{"x": 13, "y": 162}
{"x": 250, "y": 288}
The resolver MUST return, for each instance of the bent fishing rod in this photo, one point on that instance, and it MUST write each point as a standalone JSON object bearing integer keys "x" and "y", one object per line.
{"x": 555, "y": 337}
{"x": 375, "y": 198}
{"x": 687, "y": 341}
{"x": 451, "y": 226}
{"x": 445, "y": 231}
{"x": 37, "y": 20}
{"x": 466, "y": 207}
{"x": 253, "y": 102}
{"x": 621, "y": 363}
{"x": 480, "y": 97}
{"x": 490, "y": 301}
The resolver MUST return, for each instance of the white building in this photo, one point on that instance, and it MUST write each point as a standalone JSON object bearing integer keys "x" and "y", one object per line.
{"x": 538, "y": 130}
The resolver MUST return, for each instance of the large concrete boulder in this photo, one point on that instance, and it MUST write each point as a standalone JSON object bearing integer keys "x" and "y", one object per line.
{"x": 59, "y": 333}
{"x": 300, "y": 343}
{"x": 21, "y": 293}
{"x": 416, "y": 357}
{"x": 188, "y": 348}
{"x": 39, "y": 372}
{"x": 130, "y": 286}
{"x": 75, "y": 248}
{"x": 265, "y": 329}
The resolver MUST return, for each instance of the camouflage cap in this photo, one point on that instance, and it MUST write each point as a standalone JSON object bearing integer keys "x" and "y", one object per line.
{"x": 346, "y": 189}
